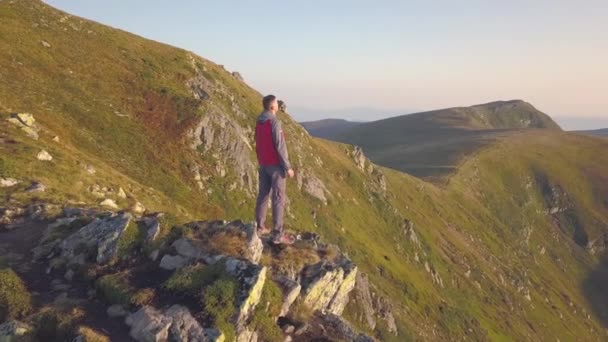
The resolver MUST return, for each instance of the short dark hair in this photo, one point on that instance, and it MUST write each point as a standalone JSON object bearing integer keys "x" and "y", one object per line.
{"x": 267, "y": 100}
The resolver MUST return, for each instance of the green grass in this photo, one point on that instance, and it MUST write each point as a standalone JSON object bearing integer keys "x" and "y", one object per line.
{"x": 15, "y": 299}
{"x": 218, "y": 300}
{"x": 485, "y": 218}
{"x": 115, "y": 288}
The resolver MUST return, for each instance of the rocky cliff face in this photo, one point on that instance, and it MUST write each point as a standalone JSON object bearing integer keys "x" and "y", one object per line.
{"x": 102, "y": 251}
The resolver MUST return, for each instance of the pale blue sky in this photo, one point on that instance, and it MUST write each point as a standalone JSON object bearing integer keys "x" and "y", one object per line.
{"x": 389, "y": 56}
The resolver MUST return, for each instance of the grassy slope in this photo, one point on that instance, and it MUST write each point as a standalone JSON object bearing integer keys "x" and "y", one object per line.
{"x": 432, "y": 144}
{"x": 475, "y": 223}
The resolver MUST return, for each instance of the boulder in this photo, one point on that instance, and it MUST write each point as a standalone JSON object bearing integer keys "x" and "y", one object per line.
{"x": 36, "y": 187}
{"x": 109, "y": 203}
{"x": 326, "y": 286}
{"x": 26, "y": 123}
{"x": 175, "y": 324}
{"x": 121, "y": 193}
{"x": 255, "y": 247}
{"x": 290, "y": 289}
{"x": 101, "y": 234}
{"x": 237, "y": 75}
{"x": 138, "y": 208}
{"x": 172, "y": 262}
{"x": 152, "y": 224}
{"x": 363, "y": 297}
{"x": 13, "y": 330}
{"x": 44, "y": 156}
{"x": 8, "y": 182}
{"x": 149, "y": 325}
{"x": 315, "y": 188}
{"x": 251, "y": 278}
{"x": 116, "y": 311}
{"x": 247, "y": 335}
{"x": 334, "y": 328}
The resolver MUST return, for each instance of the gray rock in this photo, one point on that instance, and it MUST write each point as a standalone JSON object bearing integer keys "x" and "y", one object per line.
{"x": 237, "y": 75}
{"x": 108, "y": 202}
{"x": 154, "y": 255}
{"x": 327, "y": 286}
{"x": 44, "y": 156}
{"x": 101, "y": 234}
{"x": 247, "y": 335}
{"x": 363, "y": 297}
{"x": 116, "y": 311}
{"x": 138, "y": 208}
{"x": 186, "y": 249}
{"x": 255, "y": 247}
{"x": 251, "y": 278}
{"x": 149, "y": 325}
{"x": 172, "y": 262}
{"x": 315, "y": 187}
{"x": 26, "y": 123}
{"x": 8, "y": 182}
{"x": 334, "y": 327}
{"x": 175, "y": 324}
{"x": 45, "y": 44}
{"x": 291, "y": 290}
{"x": 153, "y": 228}
{"x": 12, "y": 330}
{"x": 36, "y": 187}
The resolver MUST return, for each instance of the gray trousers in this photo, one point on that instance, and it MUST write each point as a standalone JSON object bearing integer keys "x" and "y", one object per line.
{"x": 272, "y": 182}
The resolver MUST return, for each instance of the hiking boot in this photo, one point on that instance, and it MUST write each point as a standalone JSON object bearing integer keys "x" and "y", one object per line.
{"x": 283, "y": 239}
{"x": 263, "y": 230}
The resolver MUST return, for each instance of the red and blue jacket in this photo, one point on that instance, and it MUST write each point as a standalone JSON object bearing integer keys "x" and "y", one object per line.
{"x": 270, "y": 145}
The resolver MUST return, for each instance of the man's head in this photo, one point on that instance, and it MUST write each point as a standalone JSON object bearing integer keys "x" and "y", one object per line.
{"x": 270, "y": 103}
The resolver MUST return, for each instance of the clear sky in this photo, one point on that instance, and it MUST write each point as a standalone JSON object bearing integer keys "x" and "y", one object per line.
{"x": 389, "y": 57}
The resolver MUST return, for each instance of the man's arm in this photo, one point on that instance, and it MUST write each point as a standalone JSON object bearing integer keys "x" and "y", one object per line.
{"x": 279, "y": 142}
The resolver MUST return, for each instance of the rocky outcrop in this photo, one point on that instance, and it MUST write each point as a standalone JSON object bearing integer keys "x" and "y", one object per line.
{"x": 374, "y": 308}
{"x": 290, "y": 289}
{"x": 13, "y": 331}
{"x": 332, "y": 327}
{"x": 101, "y": 235}
{"x": 26, "y": 122}
{"x": 326, "y": 285}
{"x": 251, "y": 278}
{"x": 175, "y": 324}
{"x": 227, "y": 144}
{"x": 237, "y": 75}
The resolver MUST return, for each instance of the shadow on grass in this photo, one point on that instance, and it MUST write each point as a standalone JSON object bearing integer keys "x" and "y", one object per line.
{"x": 595, "y": 288}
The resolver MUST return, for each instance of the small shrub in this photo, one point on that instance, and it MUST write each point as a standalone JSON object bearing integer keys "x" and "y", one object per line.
{"x": 115, "y": 288}
{"x": 267, "y": 311}
{"x": 143, "y": 297}
{"x": 229, "y": 242}
{"x": 91, "y": 335}
{"x": 219, "y": 301}
{"x": 292, "y": 258}
{"x": 131, "y": 239}
{"x": 15, "y": 300}
{"x": 191, "y": 280}
{"x": 53, "y": 324}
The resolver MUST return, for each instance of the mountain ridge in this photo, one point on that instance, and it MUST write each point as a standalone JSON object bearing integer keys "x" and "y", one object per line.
{"x": 510, "y": 248}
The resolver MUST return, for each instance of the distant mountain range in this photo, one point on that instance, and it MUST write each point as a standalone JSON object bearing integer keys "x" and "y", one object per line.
{"x": 128, "y": 178}
{"x": 603, "y": 132}
{"x": 328, "y": 128}
{"x": 431, "y": 144}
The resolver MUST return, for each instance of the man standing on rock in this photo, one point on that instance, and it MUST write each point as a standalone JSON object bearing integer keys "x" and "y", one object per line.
{"x": 271, "y": 150}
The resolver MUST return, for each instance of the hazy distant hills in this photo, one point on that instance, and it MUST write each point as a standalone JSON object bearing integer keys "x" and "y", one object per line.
{"x": 603, "y": 132}
{"x": 328, "y": 128}
{"x": 431, "y": 144}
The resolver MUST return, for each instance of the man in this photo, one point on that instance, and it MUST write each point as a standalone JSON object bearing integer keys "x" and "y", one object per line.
{"x": 271, "y": 150}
